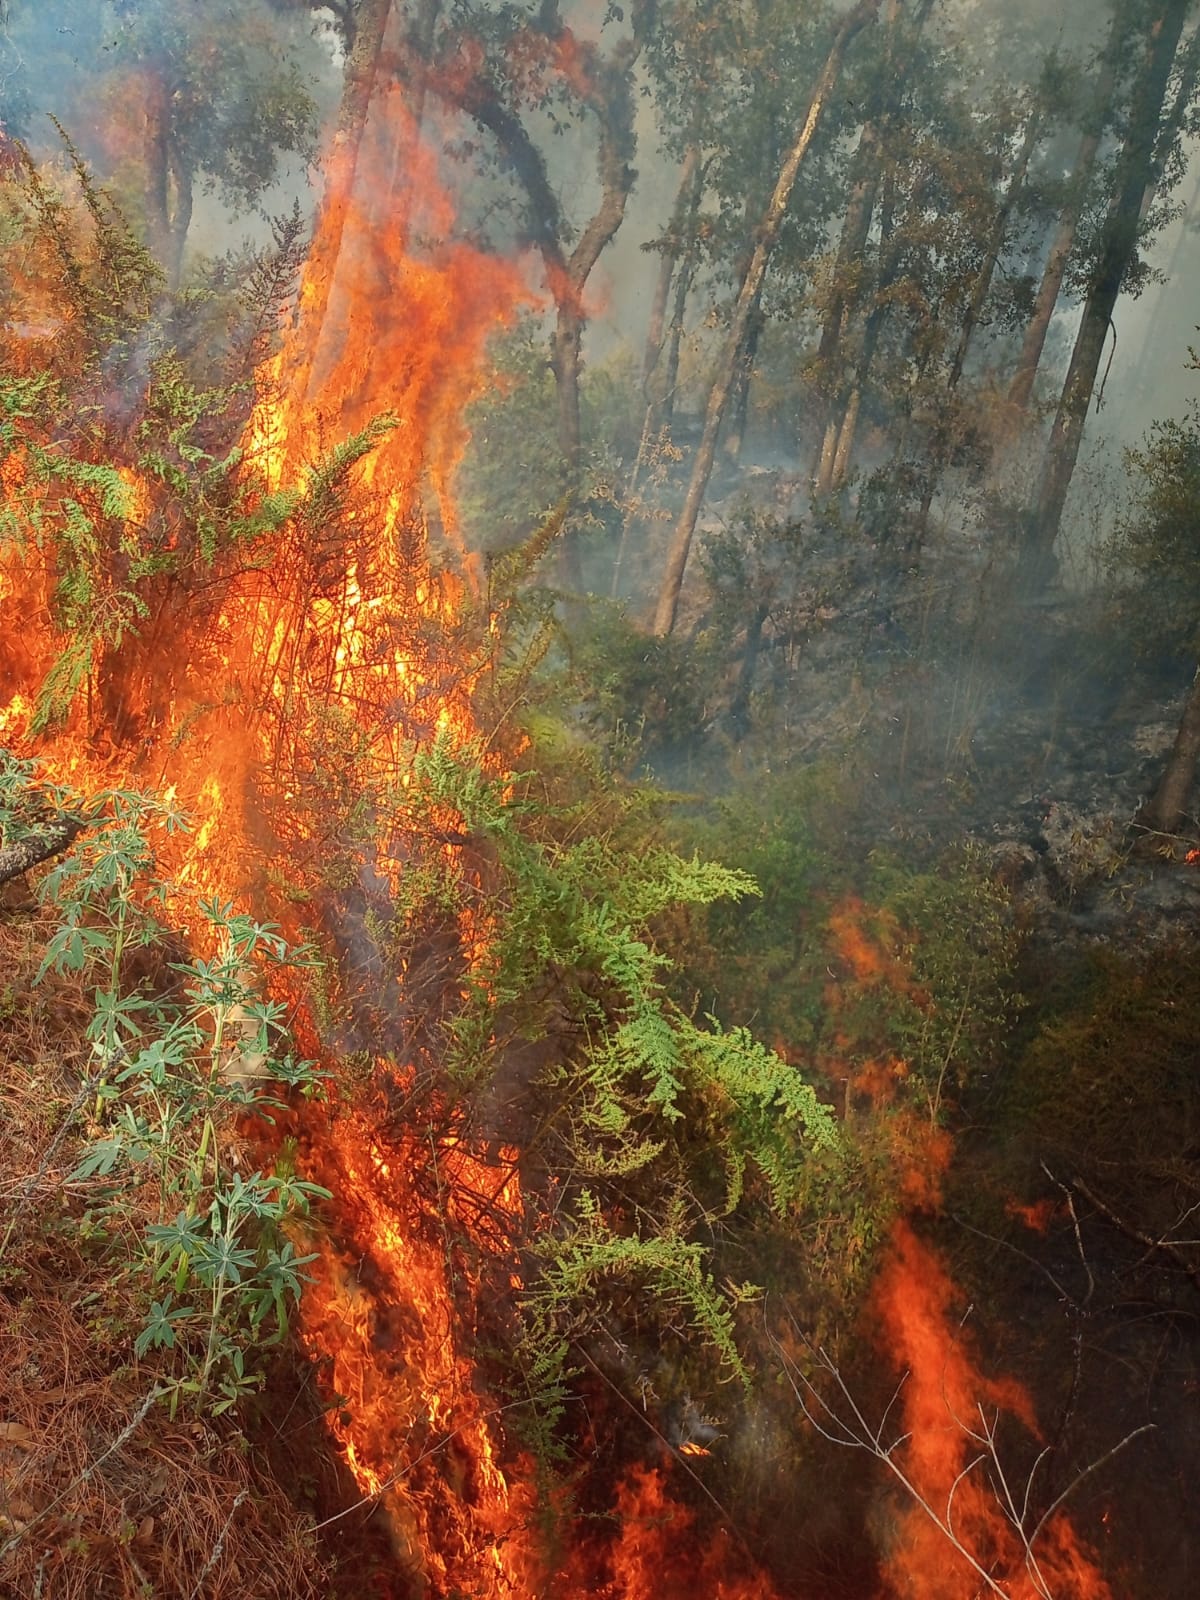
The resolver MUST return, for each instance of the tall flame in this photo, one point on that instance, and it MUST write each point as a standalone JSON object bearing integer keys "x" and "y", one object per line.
{"x": 315, "y": 668}
{"x": 973, "y": 1516}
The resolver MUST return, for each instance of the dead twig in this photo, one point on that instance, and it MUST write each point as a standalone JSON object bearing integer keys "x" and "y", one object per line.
{"x": 1167, "y": 1247}
{"x": 844, "y": 1423}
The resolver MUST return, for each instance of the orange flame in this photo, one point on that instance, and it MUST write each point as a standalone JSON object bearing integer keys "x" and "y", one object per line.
{"x": 663, "y": 1552}
{"x": 965, "y": 1527}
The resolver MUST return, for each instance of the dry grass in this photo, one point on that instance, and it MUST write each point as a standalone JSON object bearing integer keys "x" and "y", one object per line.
{"x": 101, "y": 1493}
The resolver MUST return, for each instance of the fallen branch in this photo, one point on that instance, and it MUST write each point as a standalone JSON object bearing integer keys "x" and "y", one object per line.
{"x": 51, "y": 840}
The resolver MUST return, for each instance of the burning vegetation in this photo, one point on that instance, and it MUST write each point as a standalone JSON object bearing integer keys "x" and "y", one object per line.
{"x": 439, "y": 1160}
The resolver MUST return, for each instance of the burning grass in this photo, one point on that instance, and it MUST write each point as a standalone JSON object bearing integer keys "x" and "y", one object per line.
{"x": 101, "y": 1492}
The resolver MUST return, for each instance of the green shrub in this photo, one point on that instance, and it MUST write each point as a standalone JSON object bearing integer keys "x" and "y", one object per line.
{"x": 170, "y": 1069}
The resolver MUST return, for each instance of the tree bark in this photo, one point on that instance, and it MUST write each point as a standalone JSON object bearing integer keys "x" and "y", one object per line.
{"x": 1166, "y": 810}
{"x": 740, "y": 405}
{"x": 341, "y": 168}
{"x": 768, "y": 233}
{"x": 54, "y": 838}
{"x": 606, "y": 87}
{"x": 1055, "y": 270}
{"x": 687, "y": 203}
{"x": 855, "y": 230}
{"x": 892, "y": 253}
{"x": 181, "y": 212}
{"x": 685, "y": 276}
{"x": 947, "y": 432}
{"x": 856, "y": 227}
{"x": 158, "y": 174}
{"x": 996, "y": 238}
{"x": 1118, "y": 242}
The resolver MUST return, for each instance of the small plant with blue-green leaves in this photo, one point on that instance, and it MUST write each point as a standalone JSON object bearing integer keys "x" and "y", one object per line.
{"x": 170, "y": 1069}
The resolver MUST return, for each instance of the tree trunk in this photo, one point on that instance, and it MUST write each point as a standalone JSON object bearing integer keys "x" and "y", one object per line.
{"x": 845, "y": 438}
{"x": 684, "y": 278}
{"x": 1055, "y": 270}
{"x": 947, "y": 431}
{"x": 687, "y": 203}
{"x": 740, "y": 405}
{"x": 856, "y": 228}
{"x": 855, "y": 231}
{"x": 891, "y": 254}
{"x": 158, "y": 166}
{"x": 1166, "y": 810}
{"x": 1118, "y": 242}
{"x": 605, "y": 86}
{"x": 567, "y": 362}
{"x": 341, "y": 168}
{"x": 768, "y": 233}
{"x": 181, "y": 213}
{"x": 996, "y": 238}
{"x": 739, "y": 706}
{"x": 393, "y": 204}
{"x": 658, "y": 383}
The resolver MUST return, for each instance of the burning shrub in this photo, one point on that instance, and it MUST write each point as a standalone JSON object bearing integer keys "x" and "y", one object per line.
{"x": 894, "y": 983}
{"x": 634, "y": 1119}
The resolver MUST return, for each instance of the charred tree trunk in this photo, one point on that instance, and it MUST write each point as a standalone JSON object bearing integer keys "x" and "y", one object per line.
{"x": 739, "y": 706}
{"x": 1118, "y": 242}
{"x": 740, "y": 403}
{"x": 1166, "y": 810}
{"x": 768, "y": 233}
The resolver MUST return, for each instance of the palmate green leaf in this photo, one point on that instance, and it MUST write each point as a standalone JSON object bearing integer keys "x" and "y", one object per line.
{"x": 159, "y": 1331}
{"x": 100, "y": 1159}
{"x": 70, "y": 948}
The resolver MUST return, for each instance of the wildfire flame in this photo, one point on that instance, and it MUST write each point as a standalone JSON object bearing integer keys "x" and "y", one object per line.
{"x": 972, "y": 1500}
{"x": 320, "y": 663}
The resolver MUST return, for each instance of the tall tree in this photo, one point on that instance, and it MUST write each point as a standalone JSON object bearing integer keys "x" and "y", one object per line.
{"x": 163, "y": 95}
{"x": 846, "y": 284}
{"x": 368, "y": 23}
{"x": 1135, "y": 172}
{"x": 1062, "y": 245}
{"x": 731, "y": 352}
{"x": 501, "y": 68}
